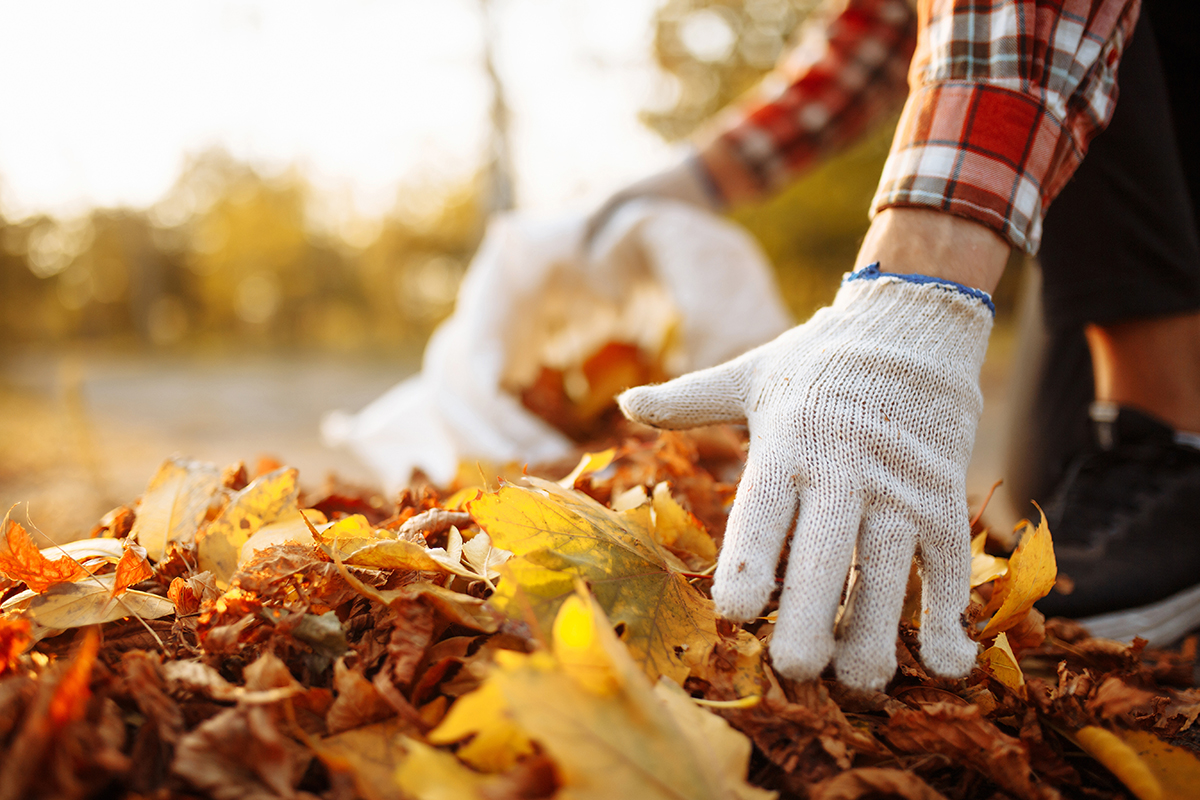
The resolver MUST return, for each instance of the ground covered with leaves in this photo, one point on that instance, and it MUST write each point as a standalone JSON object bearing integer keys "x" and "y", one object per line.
{"x": 237, "y": 636}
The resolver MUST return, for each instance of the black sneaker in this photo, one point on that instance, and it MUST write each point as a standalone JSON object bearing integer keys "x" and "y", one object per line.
{"x": 1126, "y": 526}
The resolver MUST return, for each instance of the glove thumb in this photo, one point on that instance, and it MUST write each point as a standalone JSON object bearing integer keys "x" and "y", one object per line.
{"x": 707, "y": 397}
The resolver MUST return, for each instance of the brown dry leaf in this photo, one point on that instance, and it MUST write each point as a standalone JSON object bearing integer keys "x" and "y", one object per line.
{"x": 241, "y": 753}
{"x": 962, "y": 734}
{"x": 1030, "y": 577}
{"x": 133, "y": 568}
{"x": 21, "y": 560}
{"x": 195, "y": 677}
{"x": 559, "y": 535}
{"x": 189, "y": 593}
{"x": 368, "y": 756}
{"x": 871, "y": 782}
{"x": 357, "y": 703}
{"x": 1114, "y": 698}
{"x": 174, "y": 505}
{"x": 457, "y": 608}
{"x": 734, "y": 668}
{"x": 265, "y": 500}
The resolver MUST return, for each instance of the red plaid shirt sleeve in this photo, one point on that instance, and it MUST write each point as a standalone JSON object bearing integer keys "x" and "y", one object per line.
{"x": 848, "y": 71}
{"x": 1004, "y": 99}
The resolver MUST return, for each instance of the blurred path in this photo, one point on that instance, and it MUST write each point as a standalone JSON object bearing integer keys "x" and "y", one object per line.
{"x": 82, "y": 434}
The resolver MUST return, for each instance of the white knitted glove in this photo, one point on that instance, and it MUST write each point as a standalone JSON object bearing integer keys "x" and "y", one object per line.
{"x": 863, "y": 418}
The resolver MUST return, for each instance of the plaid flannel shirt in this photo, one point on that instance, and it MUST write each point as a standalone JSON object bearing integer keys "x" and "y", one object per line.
{"x": 1002, "y": 101}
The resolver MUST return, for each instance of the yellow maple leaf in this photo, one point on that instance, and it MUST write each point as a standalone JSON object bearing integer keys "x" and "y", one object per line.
{"x": 266, "y": 499}
{"x": 1030, "y": 577}
{"x": 608, "y": 730}
{"x": 496, "y": 741}
{"x": 558, "y": 535}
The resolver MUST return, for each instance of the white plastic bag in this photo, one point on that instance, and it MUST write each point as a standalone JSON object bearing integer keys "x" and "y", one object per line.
{"x": 659, "y": 272}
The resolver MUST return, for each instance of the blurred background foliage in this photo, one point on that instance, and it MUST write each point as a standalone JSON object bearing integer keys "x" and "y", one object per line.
{"x": 235, "y": 259}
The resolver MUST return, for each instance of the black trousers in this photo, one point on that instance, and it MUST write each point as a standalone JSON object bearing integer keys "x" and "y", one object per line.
{"x": 1122, "y": 240}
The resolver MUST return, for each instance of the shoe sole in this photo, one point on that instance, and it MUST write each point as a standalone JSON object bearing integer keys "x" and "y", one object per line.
{"x": 1162, "y": 623}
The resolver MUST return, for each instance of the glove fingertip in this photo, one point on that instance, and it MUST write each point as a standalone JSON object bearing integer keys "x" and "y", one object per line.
{"x": 639, "y": 404}
{"x": 950, "y": 656}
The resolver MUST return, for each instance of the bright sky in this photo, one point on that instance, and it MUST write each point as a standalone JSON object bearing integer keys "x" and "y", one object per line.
{"x": 101, "y": 101}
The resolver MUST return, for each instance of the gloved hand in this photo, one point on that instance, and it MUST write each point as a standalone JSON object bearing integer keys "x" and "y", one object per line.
{"x": 863, "y": 419}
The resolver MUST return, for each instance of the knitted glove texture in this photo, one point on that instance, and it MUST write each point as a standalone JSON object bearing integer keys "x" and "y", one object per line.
{"x": 861, "y": 426}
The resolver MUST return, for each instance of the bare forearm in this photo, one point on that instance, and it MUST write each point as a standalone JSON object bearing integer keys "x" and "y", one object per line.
{"x": 913, "y": 241}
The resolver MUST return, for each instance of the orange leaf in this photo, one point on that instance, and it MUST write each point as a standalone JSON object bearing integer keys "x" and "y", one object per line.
{"x": 14, "y": 639}
{"x": 1030, "y": 577}
{"x": 21, "y": 560}
{"x": 131, "y": 569}
{"x": 72, "y": 693}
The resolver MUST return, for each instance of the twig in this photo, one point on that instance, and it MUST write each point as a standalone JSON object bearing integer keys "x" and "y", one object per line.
{"x": 986, "y": 500}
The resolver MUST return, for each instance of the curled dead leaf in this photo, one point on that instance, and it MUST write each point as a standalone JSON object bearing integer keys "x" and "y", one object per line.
{"x": 1030, "y": 577}
{"x": 21, "y": 560}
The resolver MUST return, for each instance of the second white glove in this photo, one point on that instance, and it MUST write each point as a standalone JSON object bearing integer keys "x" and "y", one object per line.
{"x": 862, "y": 422}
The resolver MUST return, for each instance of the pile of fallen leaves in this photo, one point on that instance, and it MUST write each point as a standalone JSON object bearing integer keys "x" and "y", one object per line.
{"x": 230, "y": 637}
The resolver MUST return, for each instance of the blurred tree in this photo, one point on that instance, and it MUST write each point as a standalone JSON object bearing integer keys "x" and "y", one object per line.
{"x": 711, "y": 51}
{"x": 231, "y": 258}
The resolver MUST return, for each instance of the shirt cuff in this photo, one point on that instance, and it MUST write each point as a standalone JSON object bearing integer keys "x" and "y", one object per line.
{"x": 979, "y": 151}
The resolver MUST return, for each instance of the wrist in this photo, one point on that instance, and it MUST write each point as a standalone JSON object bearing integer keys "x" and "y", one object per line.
{"x": 912, "y": 241}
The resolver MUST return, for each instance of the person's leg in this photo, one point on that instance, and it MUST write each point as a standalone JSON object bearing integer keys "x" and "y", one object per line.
{"x": 1150, "y": 364}
{"x": 1121, "y": 266}
{"x": 1121, "y": 250}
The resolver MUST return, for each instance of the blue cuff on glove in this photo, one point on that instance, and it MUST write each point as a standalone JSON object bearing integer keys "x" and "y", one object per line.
{"x": 872, "y": 271}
